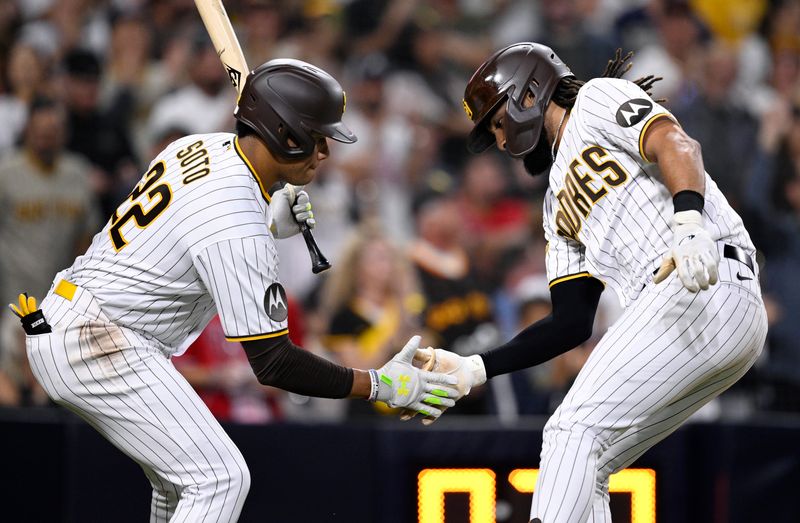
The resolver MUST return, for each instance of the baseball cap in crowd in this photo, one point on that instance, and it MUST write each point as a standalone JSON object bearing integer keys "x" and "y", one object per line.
{"x": 82, "y": 63}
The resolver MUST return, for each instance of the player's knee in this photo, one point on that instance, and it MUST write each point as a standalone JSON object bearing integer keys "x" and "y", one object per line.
{"x": 574, "y": 439}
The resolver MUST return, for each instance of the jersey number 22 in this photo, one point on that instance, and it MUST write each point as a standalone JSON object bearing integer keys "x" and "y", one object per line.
{"x": 161, "y": 194}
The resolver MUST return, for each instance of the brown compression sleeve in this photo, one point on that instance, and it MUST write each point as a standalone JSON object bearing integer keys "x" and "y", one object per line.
{"x": 280, "y": 363}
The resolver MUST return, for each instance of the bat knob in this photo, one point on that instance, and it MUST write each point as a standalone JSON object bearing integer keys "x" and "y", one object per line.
{"x": 322, "y": 265}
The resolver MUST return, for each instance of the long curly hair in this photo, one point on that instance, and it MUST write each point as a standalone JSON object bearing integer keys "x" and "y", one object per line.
{"x": 567, "y": 89}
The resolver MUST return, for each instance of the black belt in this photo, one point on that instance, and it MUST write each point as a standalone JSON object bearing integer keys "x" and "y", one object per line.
{"x": 734, "y": 253}
{"x": 738, "y": 254}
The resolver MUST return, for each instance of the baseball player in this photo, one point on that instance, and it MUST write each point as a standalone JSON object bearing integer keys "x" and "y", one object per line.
{"x": 196, "y": 237}
{"x": 629, "y": 206}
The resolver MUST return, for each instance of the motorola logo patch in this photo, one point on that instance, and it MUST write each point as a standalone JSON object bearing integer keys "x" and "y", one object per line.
{"x": 633, "y": 111}
{"x": 275, "y": 303}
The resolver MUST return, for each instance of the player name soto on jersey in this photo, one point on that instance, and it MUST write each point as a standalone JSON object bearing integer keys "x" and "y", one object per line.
{"x": 194, "y": 164}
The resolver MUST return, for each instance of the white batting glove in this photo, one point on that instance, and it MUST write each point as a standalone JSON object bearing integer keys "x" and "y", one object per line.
{"x": 290, "y": 207}
{"x": 693, "y": 253}
{"x": 400, "y": 384}
{"x": 469, "y": 371}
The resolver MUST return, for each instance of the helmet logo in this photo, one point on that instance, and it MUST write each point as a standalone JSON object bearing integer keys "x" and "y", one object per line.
{"x": 467, "y": 109}
{"x": 344, "y": 101}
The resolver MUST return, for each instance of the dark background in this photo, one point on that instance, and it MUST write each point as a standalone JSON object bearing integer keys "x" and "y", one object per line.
{"x": 64, "y": 471}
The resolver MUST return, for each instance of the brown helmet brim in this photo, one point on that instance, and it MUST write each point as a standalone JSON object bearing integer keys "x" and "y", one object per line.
{"x": 480, "y": 138}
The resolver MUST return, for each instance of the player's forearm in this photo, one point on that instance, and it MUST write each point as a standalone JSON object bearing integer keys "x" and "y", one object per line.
{"x": 570, "y": 324}
{"x": 533, "y": 346}
{"x": 277, "y": 362}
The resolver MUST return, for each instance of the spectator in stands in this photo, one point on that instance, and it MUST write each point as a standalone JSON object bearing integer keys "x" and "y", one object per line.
{"x": 377, "y": 166}
{"x": 773, "y": 201}
{"x": 317, "y": 39}
{"x": 262, "y": 30}
{"x": 375, "y": 27}
{"x": 782, "y": 35}
{"x": 24, "y": 75}
{"x": 496, "y": 223}
{"x": 715, "y": 116}
{"x": 48, "y": 218}
{"x": 458, "y": 313}
{"x": 203, "y": 106}
{"x": 56, "y": 27}
{"x": 564, "y": 28}
{"x": 133, "y": 82}
{"x": 373, "y": 304}
{"x": 98, "y": 134}
{"x": 673, "y": 56}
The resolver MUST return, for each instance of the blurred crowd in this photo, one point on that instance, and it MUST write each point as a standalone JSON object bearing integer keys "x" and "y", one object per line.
{"x": 423, "y": 237}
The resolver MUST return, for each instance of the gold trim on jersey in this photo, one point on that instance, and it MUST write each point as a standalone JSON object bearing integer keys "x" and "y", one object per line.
{"x": 646, "y": 126}
{"x": 570, "y": 277}
{"x": 264, "y": 193}
{"x": 258, "y": 336}
{"x": 66, "y": 289}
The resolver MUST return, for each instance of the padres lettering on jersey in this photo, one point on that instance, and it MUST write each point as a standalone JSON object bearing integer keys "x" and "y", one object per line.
{"x": 607, "y": 209}
{"x": 192, "y": 239}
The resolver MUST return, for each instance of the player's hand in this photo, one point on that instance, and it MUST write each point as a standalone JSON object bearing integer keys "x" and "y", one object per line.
{"x": 400, "y": 384}
{"x": 470, "y": 371}
{"x": 694, "y": 254}
{"x": 290, "y": 207}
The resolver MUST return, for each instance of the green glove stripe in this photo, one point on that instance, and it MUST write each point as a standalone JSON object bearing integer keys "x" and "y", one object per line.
{"x": 440, "y": 392}
{"x": 433, "y": 401}
{"x": 386, "y": 379}
{"x": 424, "y": 412}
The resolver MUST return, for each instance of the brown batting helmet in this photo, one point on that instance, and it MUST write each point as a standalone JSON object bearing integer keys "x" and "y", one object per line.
{"x": 507, "y": 75}
{"x": 290, "y": 99}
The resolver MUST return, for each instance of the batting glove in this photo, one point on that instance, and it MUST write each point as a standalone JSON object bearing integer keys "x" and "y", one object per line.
{"x": 469, "y": 371}
{"x": 290, "y": 207}
{"x": 694, "y": 254}
{"x": 400, "y": 384}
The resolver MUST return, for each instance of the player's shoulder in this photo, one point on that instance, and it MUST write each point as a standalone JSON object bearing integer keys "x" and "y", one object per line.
{"x": 608, "y": 93}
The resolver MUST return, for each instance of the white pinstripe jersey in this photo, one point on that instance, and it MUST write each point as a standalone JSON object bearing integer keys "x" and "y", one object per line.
{"x": 193, "y": 239}
{"x": 607, "y": 211}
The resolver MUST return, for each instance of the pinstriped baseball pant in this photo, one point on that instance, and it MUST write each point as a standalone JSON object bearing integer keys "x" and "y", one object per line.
{"x": 669, "y": 354}
{"x": 126, "y": 388}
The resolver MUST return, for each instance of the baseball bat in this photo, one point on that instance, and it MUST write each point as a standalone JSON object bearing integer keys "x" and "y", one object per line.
{"x": 219, "y": 28}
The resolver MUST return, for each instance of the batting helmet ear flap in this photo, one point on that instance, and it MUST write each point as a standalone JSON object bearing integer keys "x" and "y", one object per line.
{"x": 523, "y": 126}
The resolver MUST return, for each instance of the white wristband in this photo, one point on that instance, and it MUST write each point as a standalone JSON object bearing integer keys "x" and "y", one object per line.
{"x": 374, "y": 384}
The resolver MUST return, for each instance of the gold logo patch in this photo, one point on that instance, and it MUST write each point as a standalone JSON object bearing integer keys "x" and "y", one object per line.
{"x": 467, "y": 109}
{"x": 344, "y": 101}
